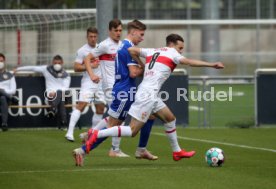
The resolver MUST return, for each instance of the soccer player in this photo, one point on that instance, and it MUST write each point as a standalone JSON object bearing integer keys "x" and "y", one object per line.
{"x": 7, "y": 90}
{"x": 126, "y": 70}
{"x": 90, "y": 90}
{"x": 160, "y": 63}
{"x": 57, "y": 84}
{"x": 106, "y": 52}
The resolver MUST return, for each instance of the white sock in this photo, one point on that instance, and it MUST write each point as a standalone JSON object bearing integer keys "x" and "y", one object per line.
{"x": 75, "y": 116}
{"x": 108, "y": 96}
{"x": 116, "y": 131}
{"x": 172, "y": 136}
{"x": 96, "y": 118}
{"x": 102, "y": 124}
{"x": 141, "y": 149}
{"x": 116, "y": 143}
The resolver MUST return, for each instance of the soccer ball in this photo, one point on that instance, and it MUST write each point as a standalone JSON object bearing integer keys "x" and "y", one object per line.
{"x": 214, "y": 157}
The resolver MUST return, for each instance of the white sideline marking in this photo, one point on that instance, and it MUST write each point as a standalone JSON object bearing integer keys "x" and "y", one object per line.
{"x": 85, "y": 170}
{"x": 238, "y": 93}
{"x": 196, "y": 108}
{"x": 217, "y": 142}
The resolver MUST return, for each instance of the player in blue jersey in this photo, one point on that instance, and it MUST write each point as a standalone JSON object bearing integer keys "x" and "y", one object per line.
{"x": 124, "y": 89}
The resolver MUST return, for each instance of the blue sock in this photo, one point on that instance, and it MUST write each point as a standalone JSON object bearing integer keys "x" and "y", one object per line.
{"x": 145, "y": 133}
{"x": 97, "y": 143}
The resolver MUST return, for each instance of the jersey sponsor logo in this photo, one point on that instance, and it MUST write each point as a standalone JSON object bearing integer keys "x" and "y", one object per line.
{"x": 144, "y": 115}
{"x": 149, "y": 73}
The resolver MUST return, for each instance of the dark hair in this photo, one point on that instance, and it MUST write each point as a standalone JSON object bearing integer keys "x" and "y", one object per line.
{"x": 3, "y": 56}
{"x": 114, "y": 23}
{"x": 58, "y": 57}
{"x": 136, "y": 24}
{"x": 91, "y": 30}
{"x": 173, "y": 38}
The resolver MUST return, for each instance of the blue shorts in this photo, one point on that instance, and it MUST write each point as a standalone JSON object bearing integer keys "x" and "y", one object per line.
{"x": 119, "y": 108}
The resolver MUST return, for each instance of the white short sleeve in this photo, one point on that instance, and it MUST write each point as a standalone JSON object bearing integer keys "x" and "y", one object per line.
{"x": 99, "y": 50}
{"x": 177, "y": 57}
{"x": 81, "y": 54}
{"x": 144, "y": 52}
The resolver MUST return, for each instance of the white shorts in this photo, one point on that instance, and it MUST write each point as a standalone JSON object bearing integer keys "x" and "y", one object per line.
{"x": 91, "y": 95}
{"x": 108, "y": 96}
{"x": 142, "y": 107}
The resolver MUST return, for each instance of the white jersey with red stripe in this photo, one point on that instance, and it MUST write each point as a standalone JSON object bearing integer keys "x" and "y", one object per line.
{"x": 106, "y": 51}
{"x": 86, "y": 82}
{"x": 160, "y": 62}
{"x": 159, "y": 65}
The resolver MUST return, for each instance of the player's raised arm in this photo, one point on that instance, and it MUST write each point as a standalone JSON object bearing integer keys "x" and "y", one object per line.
{"x": 79, "y": 67}
{"x": 89, "y": 66}
{"x": 200, "y": 63}
{"x": 38, "y": 69}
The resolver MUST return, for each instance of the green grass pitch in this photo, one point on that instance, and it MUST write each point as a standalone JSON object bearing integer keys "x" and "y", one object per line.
{"x": 42, "y": 159}
{"x": 224, "y": 113}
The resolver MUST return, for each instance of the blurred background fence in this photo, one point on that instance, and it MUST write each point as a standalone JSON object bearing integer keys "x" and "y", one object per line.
{"x": 242, "y": 36}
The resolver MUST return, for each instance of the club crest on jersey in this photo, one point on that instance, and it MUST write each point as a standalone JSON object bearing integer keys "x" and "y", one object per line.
{"x": 149, "y": 73}
{"x": 144, "y": 115}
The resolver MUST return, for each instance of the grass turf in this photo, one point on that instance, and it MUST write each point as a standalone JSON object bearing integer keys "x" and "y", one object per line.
{"x": 222, "y": 113}
{"x": 42, "y": 159}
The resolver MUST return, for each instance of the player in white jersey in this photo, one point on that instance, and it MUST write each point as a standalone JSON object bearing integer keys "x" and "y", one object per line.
{"x": 7, "y": 90}
{"x": 126, "y": 70}
{"x": 106, "y": 52}
{"x": 89, "y": 91}
{"x": 57, "y": 84}
{"x": 160, "y": 63}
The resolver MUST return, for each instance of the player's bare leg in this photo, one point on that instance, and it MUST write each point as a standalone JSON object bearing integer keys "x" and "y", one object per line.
{"x": 169, "y": 120}
{"x": 115, "y": 150}
{"x": 136, "y": 126}
{"x": 141, "y": 151}
{"x": 98, "y": 115}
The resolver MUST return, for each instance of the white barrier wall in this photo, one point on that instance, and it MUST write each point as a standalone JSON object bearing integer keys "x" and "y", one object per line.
{"x": 66, "y": 43}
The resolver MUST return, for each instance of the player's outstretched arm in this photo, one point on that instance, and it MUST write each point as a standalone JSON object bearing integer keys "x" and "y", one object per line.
{"x": 39, "y": 69}
{"x": 88, "y": 66}
{"x": 79, "y": 67}
{"x": 200, "y": 63}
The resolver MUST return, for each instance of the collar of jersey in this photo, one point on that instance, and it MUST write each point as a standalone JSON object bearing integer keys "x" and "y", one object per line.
{"x": 129, "y": 42}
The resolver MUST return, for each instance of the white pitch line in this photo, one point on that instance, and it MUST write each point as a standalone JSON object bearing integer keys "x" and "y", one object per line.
{"x": 84, "y": 170}
{"x": 221, "y": 143}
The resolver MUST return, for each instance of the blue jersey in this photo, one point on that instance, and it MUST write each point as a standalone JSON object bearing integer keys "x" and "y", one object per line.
{"x": 124, "y": 88}
{"x": 123, "y": 59}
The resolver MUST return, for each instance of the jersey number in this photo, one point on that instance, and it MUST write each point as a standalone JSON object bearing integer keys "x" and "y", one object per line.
{"x": 153, "y": 59}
